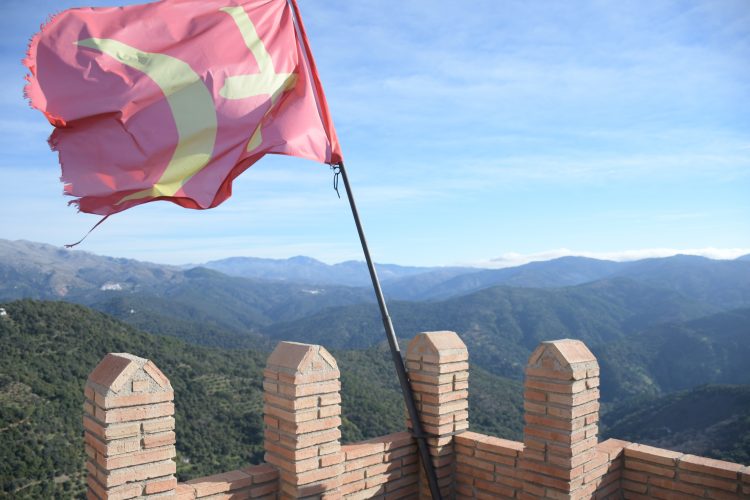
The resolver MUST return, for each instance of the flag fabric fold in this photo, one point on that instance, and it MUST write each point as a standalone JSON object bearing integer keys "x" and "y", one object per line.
{"x": 172, "y": 100}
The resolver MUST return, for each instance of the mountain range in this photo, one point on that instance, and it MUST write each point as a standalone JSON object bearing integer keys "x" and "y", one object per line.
{"x": 661, "y": 329}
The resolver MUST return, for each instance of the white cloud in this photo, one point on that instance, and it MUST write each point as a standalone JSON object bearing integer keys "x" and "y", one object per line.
{"x": 512, "y": 259}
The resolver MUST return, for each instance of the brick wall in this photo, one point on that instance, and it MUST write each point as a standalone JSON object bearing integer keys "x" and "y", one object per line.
{"x": 384, "y": 466}
{"x": 655, "y": 473}
{"x": 130, "y": 439}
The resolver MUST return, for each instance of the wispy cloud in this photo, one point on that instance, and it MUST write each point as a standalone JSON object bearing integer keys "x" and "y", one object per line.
{"x": 512, "y": 259}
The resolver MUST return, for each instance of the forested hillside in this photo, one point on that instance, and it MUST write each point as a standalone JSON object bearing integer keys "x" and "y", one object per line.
{"x": 501, "y": 326}
{"x": 711, "y": 421}
{"x": 47, "y": 350}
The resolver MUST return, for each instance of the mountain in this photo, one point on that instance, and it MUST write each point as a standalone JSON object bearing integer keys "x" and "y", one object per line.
{"x": 200, "y": 304}
{"x": 306, "y": 270}
{"x": 711, "y": 421}
{"x": 677, "y": 356}
{"x": 47, "y": 350}
{"x": 723, "y": 283}
{"x": 501, "y": 326}
{"x": 744, "y": 257}
{"x": 38, "y": 270}
{"x": 565, "y": 271}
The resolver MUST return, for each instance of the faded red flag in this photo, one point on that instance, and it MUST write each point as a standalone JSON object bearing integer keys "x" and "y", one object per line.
{"x": 172, "y": 100}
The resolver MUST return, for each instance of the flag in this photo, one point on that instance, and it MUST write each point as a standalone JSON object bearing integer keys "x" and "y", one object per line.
{"x": 174, "y": 99}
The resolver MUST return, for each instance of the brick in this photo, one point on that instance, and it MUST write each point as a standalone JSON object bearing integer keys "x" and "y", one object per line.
{"x": 633, "y": 486}
{"x": 574, "y": 399}
{"x": 555, "y": 387}
{"x": 158, "y": 425}
{"x": 710, "y": 466}
{"x": 554, "y": 423}
{"x": 156, "y": 374}
{"x": 160, "y": 486}
{"x": 132, "y": 413}
{"x": 532, "y": 395}
{"x": 111, "y": 431}
{"x": 358, "y": 450}
{"x": 363, "y": 462}
{"x": 495, "y": 488}
{"x": 651, "y": 454}
{"x": 713, "y": 482}
{"x": 263, "y": 490}
{"x": 539, "y": 479}
{"x": 220, "y": 483}
{"x": 108, "y": 402}
{"x": 113, "y": 371}
{"x": 613, "y": 447}
{"x": 139, "y": 473}
{"x": 184, "y": 492}
{"x": 136, "y": 458}
{"x": 159, "y": 439}
{"x": 473, "y": 462}
{"x": 116, "y": 447}
{"x": 722, "y": 495}
{"x": 669, "y": 484}
{"x": 468, "y": 471}
{"x": 659, "y": 470}
{"x": 494, "y": 458}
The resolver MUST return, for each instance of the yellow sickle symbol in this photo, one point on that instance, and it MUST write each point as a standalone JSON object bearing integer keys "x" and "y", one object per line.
{"x": 267, "y": 82}
{"x": 191, "y": 103}
{"x": 192, "y": 109}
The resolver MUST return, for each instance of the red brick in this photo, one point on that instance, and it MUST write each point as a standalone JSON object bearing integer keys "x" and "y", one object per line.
{"x": 659, "y": 470}
{"x": 113, "y": 371}
{"x": 261, "y": 473}
{"x": 220, "y": 483}
{"x": 108, "y": 402}
{"x": 132, "y": 413}
{"x": 633, "y": 486}
{"x": 318, "y": 474}
{"x": 651, "y": 454}
{"x": 156, "y": 374}
{"x": 138, "y": 473}
{"x": 158, "y": 440}
{"x": 495, "y": 488}
{"x": 532, "y": 395}
{"x": 136, "y": 458}
{"x": 710, "y": 466}
{"x": 158, "y": 425}
{"x": 713, "y": 482}
{"x": 184, "y": 492}
{"x": 678, "y": 486}
{"x": 474, "y": 462}
{"x": 160, "y": 485}
{"x": 613, "y": 447}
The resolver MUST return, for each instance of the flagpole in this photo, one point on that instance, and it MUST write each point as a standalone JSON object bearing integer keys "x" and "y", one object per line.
{"x": 398, "y": 361}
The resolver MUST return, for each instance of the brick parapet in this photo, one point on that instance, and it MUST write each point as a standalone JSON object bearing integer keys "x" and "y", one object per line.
{"x": 128, "y": 422}
{"x": 383, "y": 467}
{"x": 487, "y": 467}
{"x": 650, "y": 472}
{"x": 258, "y": 481}
{"x": 301, "y": 412}
{"x": 561, "y": 420}
{"x": 438, "y": 365}
{"x": 129, "y": 433}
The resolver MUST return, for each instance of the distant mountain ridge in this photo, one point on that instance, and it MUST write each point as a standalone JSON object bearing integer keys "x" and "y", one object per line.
{"x": 302, "y": 269}
{"x": 724, "y": 283}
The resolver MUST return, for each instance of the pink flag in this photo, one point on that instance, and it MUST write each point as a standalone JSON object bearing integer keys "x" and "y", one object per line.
{"x": 172, "y": 100}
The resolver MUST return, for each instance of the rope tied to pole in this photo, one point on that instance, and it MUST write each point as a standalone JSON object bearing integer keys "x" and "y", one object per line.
{"x": 336, "y": 172}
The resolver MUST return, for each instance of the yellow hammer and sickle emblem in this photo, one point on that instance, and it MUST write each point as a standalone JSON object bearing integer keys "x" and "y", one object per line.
{"x": 191, "y": 103}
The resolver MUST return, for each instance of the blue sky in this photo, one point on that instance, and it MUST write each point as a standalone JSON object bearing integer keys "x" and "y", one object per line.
{"x": 479, "y": 132}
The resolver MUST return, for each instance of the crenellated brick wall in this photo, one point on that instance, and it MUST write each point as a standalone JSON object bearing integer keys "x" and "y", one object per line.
{"x": 130, "y": 438}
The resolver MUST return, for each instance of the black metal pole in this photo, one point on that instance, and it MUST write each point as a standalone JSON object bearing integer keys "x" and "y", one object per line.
{"x": 398, "y": 361}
